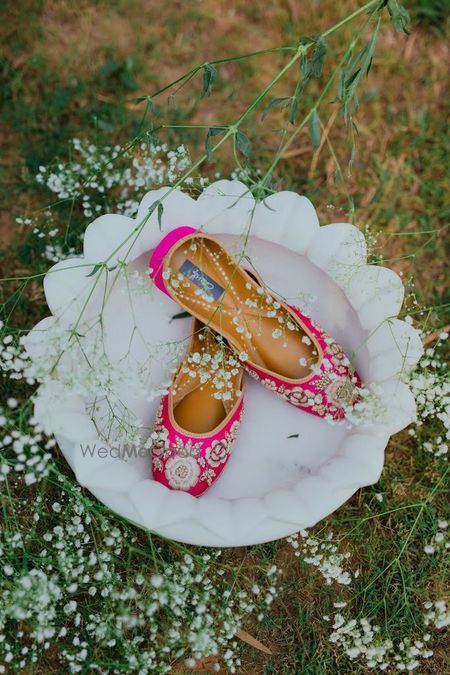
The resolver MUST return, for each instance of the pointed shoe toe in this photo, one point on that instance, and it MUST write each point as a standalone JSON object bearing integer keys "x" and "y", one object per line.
{"x": 199, "y": 417}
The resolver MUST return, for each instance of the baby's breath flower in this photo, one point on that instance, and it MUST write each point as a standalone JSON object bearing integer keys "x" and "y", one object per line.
{"x": 440, "y": 541}
{"x": 150, "y": 620}
{"x": 362, "y": 640}
{"x": 322, "y": 554}
{"x": 437, "y": 614}
{"x": 430, "y": 385}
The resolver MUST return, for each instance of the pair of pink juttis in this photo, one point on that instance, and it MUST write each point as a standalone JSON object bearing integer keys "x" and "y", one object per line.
{"x": 238, "y": 325}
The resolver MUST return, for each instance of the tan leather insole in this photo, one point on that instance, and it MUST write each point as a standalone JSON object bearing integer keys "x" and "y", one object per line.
{"x": 198, "y": 411}
{"x": 195, "y": 409}
{"x": 280, "y": 355}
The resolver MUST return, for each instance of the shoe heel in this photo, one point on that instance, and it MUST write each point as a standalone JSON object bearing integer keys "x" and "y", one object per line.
{"x": 157, "y": 258}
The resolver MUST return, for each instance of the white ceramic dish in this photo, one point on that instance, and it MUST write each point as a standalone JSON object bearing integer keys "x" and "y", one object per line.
{"x": 273, "y": 485}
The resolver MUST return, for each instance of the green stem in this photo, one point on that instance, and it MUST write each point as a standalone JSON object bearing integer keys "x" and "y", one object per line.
{"x": 350, "y": 17}
{"x": 322, "y": 94}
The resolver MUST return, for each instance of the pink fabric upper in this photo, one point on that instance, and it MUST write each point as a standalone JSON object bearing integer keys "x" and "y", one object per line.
{"x": 331, "y": 388}
{"x": 191, "y": 462}
{"x": 156, "y": 262}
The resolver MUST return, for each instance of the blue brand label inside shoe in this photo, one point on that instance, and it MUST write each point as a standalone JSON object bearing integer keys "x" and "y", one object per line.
{"x": 200, "y": 279}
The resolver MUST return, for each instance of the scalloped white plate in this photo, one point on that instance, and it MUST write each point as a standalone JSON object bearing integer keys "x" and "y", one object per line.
{"x": 273, "y": 485}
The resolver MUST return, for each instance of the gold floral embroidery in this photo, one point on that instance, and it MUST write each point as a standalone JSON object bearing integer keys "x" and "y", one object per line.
{"x": 157, "y": 464}
{"x": 217, "y": 453}
{"x": 338, "y": 358}
{"x": 342, "y": 392}
{"x": 160, "y": 445}
{"x": 299, "y": 396}
{"x": 187, "y": 448}
{"x": 181, "y": 474}
{"x": 208, "y": 475}
{"x": 302, "y": 398}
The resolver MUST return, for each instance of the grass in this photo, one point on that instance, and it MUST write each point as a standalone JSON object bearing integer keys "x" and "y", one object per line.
{"x": 74, "y": 71}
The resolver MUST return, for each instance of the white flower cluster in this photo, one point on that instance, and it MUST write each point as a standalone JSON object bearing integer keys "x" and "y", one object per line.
{"x": 50, "y": 362}
{"x": 106, "y": 179}
{"x": 359, "y": 639}
{"x": 25, "y": 452}
{"x": 437, "y": 614}
{"x": 44, "y": 227}
{"x": 439, "y": 542}
{"x": 12, "y": 359}
{"x": 430, "y": 385}
{"x": 179, "y": 612}
{"x": 322, "y": 554}
{"x": 111, "y": 178}
{"x": 54, "y": 252}
{"x": 371, "y": 407}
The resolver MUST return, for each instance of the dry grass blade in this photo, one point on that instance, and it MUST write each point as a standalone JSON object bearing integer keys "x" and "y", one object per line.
{"x": 252, "y": 641}
{"x": 323, "y": 140}
{"x": 103, "y": 98}
{"x": 289, "y": 154}
{"x": 432, "y": 337}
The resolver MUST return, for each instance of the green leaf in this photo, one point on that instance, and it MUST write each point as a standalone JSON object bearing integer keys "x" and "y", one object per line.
{"x": 95, "y": 269}
{"x": 352, "y": 73}
{"x": 399, "y": 16}
{"x": 310, "y": 67}
{"x": 210, "y": 75}
{"x": 151, "y": 106}
{"x": 160, "y": 212}
{"x": 365, "y": 58}
{"x": 122, "y": 71}
{"x": 282, "y": 101}
{"x": 157, "y": 205}
{"x": 318, "y": 58}
{"x": 294, "y": 106}
{"x": 181, "y": 315}
{"x": 314, "y": 129}
{"x": 354, "y": 77}
{"x": 212, "y": 131}
{"x": 243, "y": 144}
{"x": 153, "y": 206}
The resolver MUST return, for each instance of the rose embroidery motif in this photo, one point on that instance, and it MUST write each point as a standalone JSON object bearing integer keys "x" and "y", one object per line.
{"x": 181, "y": 472}
{"x": 338, "y": 357}
{"x": 185, "y": 461}
{"x": 231, "y": 435}
{"x": 299, "y": 396}
{"x": 341, "y": 392}
{"x": 218, "y": 452}
{"x": 159, "y": 446}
